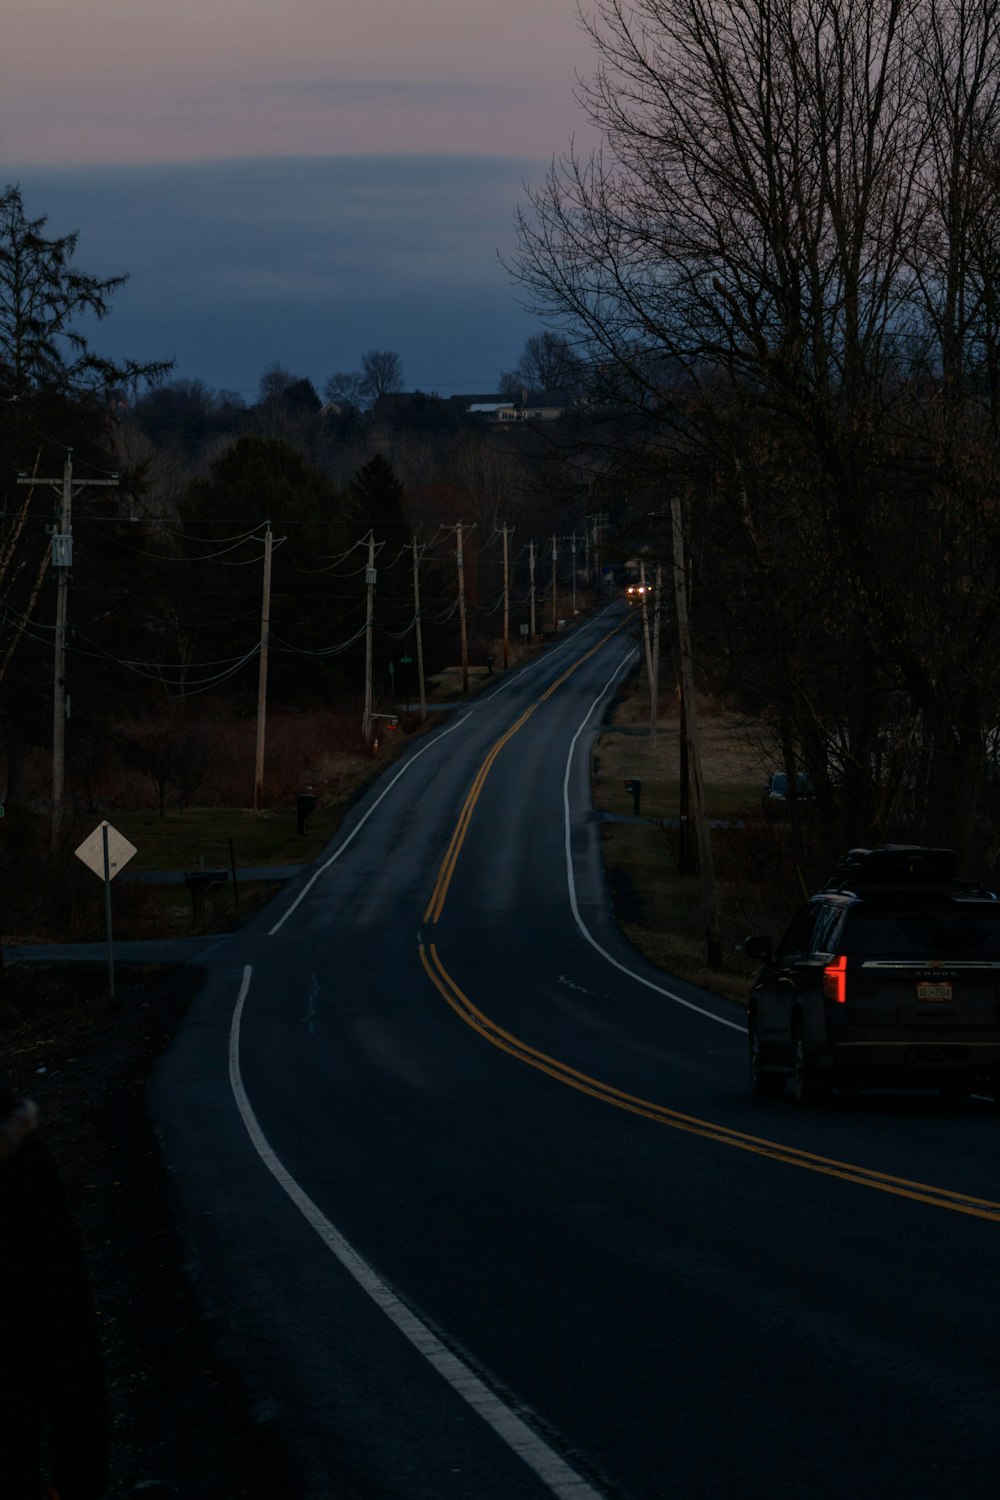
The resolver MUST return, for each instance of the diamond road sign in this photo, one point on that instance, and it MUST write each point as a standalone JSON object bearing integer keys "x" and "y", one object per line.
{"x": 120, "y": 851}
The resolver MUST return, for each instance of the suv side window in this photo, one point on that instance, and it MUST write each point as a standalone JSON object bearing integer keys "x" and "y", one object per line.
{"x": 798, "y": 940}
{"x": 828, "y": 926}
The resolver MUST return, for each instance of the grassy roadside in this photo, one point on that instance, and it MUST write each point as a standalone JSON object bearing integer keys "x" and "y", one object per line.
{"x": 659, "y": 910}
{"x": 55, "y": 899}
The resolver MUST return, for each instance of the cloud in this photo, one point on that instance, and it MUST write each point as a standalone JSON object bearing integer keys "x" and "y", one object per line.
{"x": 308, "y": 261}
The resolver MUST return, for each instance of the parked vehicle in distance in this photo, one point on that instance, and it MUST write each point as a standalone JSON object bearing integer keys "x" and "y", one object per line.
{"x": 887, "y": 978}
{"x": 774, "y": 797}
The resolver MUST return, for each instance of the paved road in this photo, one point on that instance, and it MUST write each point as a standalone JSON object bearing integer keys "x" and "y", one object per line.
{"x": 480, "y": 1205}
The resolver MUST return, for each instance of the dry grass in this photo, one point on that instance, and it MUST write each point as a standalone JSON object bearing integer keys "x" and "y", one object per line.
{"x": 659, "y": 910}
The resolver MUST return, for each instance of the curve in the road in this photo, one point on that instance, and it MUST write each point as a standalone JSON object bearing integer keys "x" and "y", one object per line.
{"x": 920, "y": 1192}
{"x": 560, "y": 1479}
{"x": 982, "y": 1208}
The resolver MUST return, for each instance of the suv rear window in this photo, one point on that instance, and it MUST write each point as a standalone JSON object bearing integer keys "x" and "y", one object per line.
{"x": 925, "y": 932}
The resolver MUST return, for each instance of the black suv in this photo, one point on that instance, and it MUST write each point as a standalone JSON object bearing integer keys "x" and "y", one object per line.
{"x": 888, "y": 978}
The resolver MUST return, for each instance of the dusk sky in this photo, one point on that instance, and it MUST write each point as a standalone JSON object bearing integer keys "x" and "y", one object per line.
{"x": 296, "y": 182}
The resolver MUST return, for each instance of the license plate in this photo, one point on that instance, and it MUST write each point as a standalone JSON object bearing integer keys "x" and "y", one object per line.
{"x": 938, "y": 990}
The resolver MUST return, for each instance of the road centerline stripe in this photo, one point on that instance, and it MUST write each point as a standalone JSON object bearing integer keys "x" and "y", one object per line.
{"x": 725, "y": 1135}
{"x": 506, "y": 1041}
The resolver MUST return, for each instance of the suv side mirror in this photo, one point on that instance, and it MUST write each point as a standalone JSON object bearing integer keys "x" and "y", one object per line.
{"x": 759, "y": 947}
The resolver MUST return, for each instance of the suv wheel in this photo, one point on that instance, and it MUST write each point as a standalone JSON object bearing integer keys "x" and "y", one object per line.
{"x": 809, "y": 1084}
{"x": 763, "y": 1085}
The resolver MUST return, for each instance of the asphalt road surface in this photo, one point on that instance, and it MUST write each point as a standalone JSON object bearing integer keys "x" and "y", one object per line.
{"x": 481, "y": 1207}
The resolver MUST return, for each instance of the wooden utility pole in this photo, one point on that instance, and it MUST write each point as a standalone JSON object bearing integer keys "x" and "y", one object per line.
{"x": 62, "y": 561}
{"x": 265, "y": 627}
{"x": 572, "y": 551}
{"x": 644, "y": 606}
{"x": 460, "y": 560}
{"x": 713, "y": 945}
{"x": 419, "y": 633}
{"x": 370, "y": 577}
{"x": 654, "y": 676}
{"x": 531, "y": 589}
{"x": 555, "y": 599}
{"x": 506, "y": 600}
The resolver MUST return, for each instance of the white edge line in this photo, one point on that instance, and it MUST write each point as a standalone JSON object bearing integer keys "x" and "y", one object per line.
{"x": 516, "y": 673}
{"x": 554, "y": 1472}
{"x": 571, "y": 878}
{"x": 389, "y": 786}
{"x": 362, "y": 821}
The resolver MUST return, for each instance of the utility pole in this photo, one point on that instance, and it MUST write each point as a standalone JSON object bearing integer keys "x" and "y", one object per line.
{"x": 555, "y": 600}
{"x": 506, "y": 600}
{"x": 62, "y": 561}
{"x": 265, "y": 627}
{"x": 420, "y": 638}
{"x": 654, "y": 676}
{"x": 644, "y": 606}
{"x": 531, "y": 588}
{"x": 713, "y": 945}
{"x": 572, "y": 548}
{"x": 586, "y": 550}
{"x": 370, "y": 576}
{"x": 460, "y": 559}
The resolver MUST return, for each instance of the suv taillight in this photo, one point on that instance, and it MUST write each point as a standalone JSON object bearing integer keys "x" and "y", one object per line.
{"x": 835, "y": 980}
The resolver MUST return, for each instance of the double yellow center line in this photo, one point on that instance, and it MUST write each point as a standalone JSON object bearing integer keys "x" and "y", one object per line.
{"x": 884, "y": 1182}
{"x": 439, "y": 895}
{"x": 506, "y": 1041}
{"x": 436, "y": 905}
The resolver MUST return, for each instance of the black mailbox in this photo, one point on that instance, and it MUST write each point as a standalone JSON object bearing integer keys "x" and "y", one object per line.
{"x": 200, "y": 881}
{"x": 634, "y": 787}
{"x": 305, "y": 803}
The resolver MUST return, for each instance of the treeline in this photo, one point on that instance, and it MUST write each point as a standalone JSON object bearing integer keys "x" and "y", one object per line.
{"x": 784, "y": 263}
{"x": 146, "y": 501}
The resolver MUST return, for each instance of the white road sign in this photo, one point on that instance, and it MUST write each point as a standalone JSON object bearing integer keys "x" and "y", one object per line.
{"x": 120, "y": 851}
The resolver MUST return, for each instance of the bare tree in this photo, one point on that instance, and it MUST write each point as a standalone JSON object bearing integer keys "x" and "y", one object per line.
{"x": 547, "y": 363}
{"x": 492, "y": 477}
{"x": 344, "y": 388}
{"x": 381, "y": 374}
{"x": 783, "y": 256}
{"x": 274, "y": 382}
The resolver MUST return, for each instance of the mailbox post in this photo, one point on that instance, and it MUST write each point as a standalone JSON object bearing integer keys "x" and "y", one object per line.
{"x": 305, "y": 803}
{"x": 634, "y": 787}
{"x": 199, "y": 883}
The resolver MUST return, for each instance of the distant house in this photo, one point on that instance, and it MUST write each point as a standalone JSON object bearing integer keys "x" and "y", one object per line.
{"x": 420, "y": 409}
{"x": 503, "y": 410}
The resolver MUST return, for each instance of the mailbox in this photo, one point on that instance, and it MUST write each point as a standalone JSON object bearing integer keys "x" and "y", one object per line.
{"x": 634, "y": 788}
{"x": 305, "y": 803}
{"x": 200, "y": 881}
